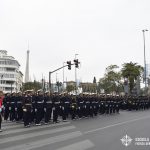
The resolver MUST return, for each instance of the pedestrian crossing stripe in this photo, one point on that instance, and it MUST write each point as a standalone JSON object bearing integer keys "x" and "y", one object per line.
{"x": 44, "y": 142}
{"x": 22, "y": 129}
{"x": 36, "y": 134}
{"x": 83, "y": 145}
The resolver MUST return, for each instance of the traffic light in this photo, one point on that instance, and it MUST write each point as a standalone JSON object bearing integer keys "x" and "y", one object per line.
{"x": 69, "y": 65}
{"x": 76, "y": 63}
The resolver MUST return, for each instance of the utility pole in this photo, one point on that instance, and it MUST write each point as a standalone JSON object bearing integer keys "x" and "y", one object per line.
{"x": 144, "y": 57}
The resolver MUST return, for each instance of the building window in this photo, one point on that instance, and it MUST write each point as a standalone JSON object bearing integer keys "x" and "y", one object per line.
{"x": 10, "y": 69}
{"x": 7, "y": 75}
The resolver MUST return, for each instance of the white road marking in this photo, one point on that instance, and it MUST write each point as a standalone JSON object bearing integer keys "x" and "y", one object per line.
{"x": 35, "y": 134}
{"x": 44, "y": 142}
{"x": 5, "y": 131}
{"x": 116, "y": 124}
{"x": 78, "y": 146}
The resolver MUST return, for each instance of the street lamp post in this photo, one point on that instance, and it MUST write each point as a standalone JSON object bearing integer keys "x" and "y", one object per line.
{"x": 144, "y": 56}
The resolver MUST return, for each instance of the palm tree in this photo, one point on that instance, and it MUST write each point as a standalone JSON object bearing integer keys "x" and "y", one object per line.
{"x": 131, "y": 71}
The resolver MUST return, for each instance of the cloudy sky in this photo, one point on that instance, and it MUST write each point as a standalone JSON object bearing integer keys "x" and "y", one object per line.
{"x": 102, "y": 32}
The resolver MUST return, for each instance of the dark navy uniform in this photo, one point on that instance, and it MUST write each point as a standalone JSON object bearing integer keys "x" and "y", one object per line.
{"x": 80, "y": 106}
{"x": 56, "y": 108}
{"x": 13, "y": 107}
{"x": 39, "y": 108}
{"x": 48, "y": 104}
{"x": 7, "y": 101}
{"x": 65, "y": 107}
{"x": 19, "y": 111}
{"x": 73, "y": 108}
{"x": 27, "y": 106}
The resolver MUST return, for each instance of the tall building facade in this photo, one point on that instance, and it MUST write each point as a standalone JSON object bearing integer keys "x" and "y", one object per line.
{"x": 11, "y": 78}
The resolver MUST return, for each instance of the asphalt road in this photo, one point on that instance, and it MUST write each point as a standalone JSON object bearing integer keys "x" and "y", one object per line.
{"x": 99, "y": 133}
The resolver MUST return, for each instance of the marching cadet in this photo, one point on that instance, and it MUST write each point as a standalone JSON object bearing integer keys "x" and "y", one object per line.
{"x": 48, "y": 105}
{"x": 19, "y": 112}
{"x": 27, "y": 106}
{"x": 91, "y": 106}
{"x": 117, "y": 105}
{"x": 87, "y": 106}
{"x": 124, "y": 104}
{"x": 73, "y": 108}
{"x": 129, "y": 103}
{"x": 80, "y": 106}
{"x": 137, "y": 104}
{"x": 7, "y": 100}
{"x": 34, "y": 97}
{"x": 114, "y": 104}
{"x": 111, "y": 105}
{"x": 13, "y": 107}
{"x": 102, "y": 104}
{"x": 65, "y": 106}
{"x": 56, "y": 107}
{"x": 95, "y": 105}
{"x": 39, "y": 108}
{"x": 107, "y": 105}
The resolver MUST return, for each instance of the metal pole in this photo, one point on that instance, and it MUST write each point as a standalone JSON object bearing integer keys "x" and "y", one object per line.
{"x": 144, "y": 56}
{"x": 75, "y": 77}
{"x": 50, "y": 83}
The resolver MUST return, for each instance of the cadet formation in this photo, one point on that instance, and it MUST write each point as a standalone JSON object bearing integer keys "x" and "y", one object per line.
{"x": 38, "y": 107}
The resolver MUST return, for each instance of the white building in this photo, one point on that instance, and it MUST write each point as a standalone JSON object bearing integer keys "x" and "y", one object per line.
{"x": 10, "y": 77}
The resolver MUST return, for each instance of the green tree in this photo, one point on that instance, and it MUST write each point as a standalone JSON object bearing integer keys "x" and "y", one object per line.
{"x": 131, "y": 71}
{"x": 111, "y": 82}
{"x": 32, "y": 86}
{"x": 70, "y": 88}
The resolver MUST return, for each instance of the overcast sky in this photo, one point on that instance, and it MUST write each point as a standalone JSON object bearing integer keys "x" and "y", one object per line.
{"x": 102, "y": 32}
